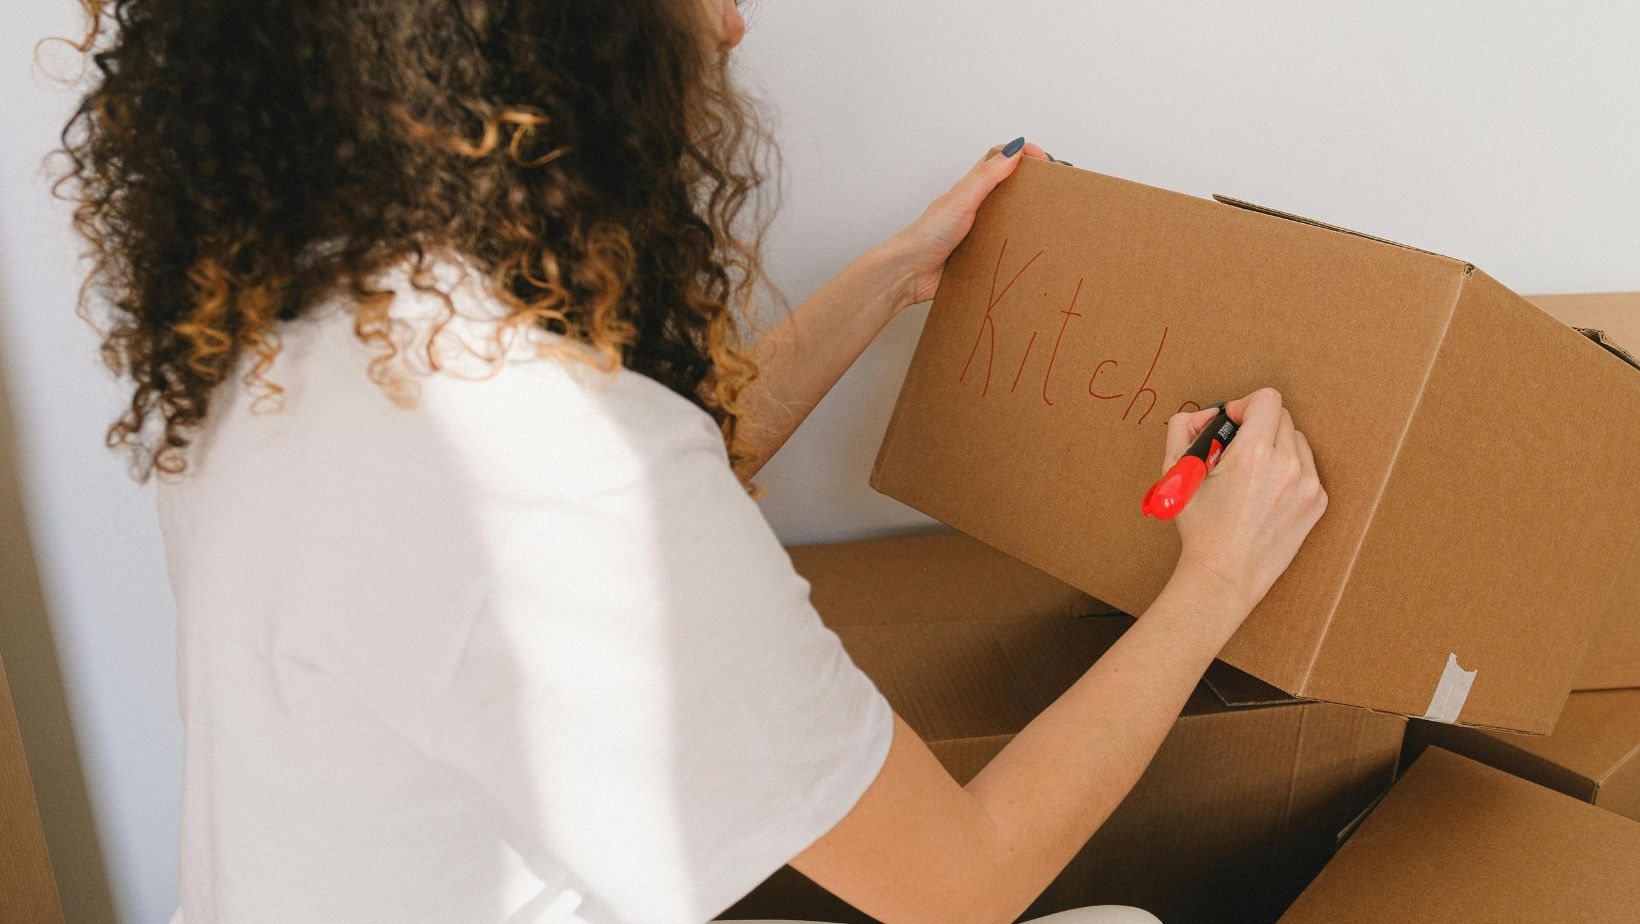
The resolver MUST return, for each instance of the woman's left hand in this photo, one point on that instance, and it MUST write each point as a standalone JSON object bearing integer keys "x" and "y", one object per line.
{"x": 924, "y": 246}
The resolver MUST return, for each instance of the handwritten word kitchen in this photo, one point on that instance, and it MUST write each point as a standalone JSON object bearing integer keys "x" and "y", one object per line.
{"x": 1105, "y": 380}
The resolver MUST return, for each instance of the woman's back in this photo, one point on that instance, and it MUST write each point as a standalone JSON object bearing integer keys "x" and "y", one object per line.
{"x": 522, "y": 650}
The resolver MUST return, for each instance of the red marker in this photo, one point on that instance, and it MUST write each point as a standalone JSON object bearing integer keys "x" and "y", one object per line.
{"x": 1168, "y": 495}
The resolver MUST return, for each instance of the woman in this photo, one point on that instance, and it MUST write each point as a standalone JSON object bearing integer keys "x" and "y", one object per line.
{"x": 431, "y": 313}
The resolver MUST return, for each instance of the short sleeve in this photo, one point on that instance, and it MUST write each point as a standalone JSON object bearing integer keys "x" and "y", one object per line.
{"x": 647, "y": 692}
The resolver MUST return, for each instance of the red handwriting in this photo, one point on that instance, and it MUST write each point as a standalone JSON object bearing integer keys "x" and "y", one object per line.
{"x": 1068, "y": 313}
{"x": 1022, "y": 360}
{"x": 988, "y": 333}
{"x": 1144, "y": 386}
{"x": 1096, "y": 370}
{"x": 986, "y": 325}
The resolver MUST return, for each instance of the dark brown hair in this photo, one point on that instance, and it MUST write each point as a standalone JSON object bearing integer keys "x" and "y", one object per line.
{"x": 590, "y": 158}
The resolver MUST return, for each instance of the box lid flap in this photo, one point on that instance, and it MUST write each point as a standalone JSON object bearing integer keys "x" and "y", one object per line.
{"x": 1278, "y": 213}
{"x": 1236, "y": 687}
{"x": 1611, "y": 319}
{"x": 1598, "y": 735}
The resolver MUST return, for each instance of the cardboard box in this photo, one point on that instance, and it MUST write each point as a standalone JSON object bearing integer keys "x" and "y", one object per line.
{"x": 1593, "y": 753}
{"x": 1238, "y": 810}
{"x": 1613, "y": 661}
{"x": 28, "y": 892}
{"x": 1459, "y": 841}
{"x": 1478, "y": 453}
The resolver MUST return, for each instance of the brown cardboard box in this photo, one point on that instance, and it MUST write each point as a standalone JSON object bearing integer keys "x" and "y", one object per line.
{"x": 1459, "y": 841}
{"x": 1593, "y": 753}
{"x": 1240, "y": 807}
{"x": 27, "y": 890}
{"x": 1478, "y": 453}
{"x": 1613, "y": 661}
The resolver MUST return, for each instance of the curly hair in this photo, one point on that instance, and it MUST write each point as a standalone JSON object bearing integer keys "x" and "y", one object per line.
{"x": 235, "y": 160}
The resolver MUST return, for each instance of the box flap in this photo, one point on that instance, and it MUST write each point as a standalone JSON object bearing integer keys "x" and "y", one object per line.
{"x": 936, "y": 576}
{"x": 1236, "y": 687}
{"x": 1598, "y": 734}
{"x": 1611, "y": 319}
{"x": 1277, "y": 213}
{"x": 1356, "y": 822}
{"x": 1593, "y": 754}
{"x": 1459, "y": 841}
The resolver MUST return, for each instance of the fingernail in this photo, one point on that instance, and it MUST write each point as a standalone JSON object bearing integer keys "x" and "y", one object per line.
{"x": 1013, "y": 147}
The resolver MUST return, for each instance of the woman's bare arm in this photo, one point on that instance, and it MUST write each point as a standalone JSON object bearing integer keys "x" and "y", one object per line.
{"x": 919, "y": 847}
{"x": 804, "y": 356}
{"x": 808, "y": 352}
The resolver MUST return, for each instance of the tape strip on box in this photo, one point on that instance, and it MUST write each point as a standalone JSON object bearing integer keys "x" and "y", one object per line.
{"x": 1451, "y": 693}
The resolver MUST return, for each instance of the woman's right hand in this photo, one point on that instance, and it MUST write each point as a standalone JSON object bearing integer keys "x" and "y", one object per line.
{"x": 1253, "y": 512}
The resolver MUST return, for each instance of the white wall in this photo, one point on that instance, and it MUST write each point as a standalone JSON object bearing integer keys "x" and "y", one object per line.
{"x": 1501, "y": 132}
{"x": 93, "y": 531}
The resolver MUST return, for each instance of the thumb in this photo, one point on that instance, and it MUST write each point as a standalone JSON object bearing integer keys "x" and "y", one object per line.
{"x": 997, "y": 165}
{"x": 1182, "y": 430}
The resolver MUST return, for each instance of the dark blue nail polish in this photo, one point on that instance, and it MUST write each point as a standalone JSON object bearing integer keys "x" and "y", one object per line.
{"x": 1013, "y": 147}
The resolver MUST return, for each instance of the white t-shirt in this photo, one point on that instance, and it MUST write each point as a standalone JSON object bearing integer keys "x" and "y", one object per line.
{"x": 525, "y": 651}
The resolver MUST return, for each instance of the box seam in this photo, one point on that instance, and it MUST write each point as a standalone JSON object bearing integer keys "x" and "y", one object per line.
{"x": 1284, "y": 824}
{"x": 1389, "y": 472}
{"x": 1628, "y": 758}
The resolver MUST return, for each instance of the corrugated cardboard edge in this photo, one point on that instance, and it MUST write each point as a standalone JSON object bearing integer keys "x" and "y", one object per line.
{"x": 1347, "y": 830}
{"x": 1611, "y": 346}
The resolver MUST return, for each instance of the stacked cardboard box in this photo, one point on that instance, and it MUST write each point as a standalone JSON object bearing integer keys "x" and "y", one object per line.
{"x": 1592, "y": 755}
{"x": 1479, "y": 560}
{"x": 1458, "y": 841}
{"x": 28, "y": 891}
{"x": 1241, "y": 806}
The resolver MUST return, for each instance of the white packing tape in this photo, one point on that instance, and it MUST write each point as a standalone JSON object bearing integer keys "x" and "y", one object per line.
{"x": 1451, "y": 692}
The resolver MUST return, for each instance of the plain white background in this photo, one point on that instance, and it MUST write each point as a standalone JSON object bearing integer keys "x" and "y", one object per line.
{"x": 1501, "y": 132}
